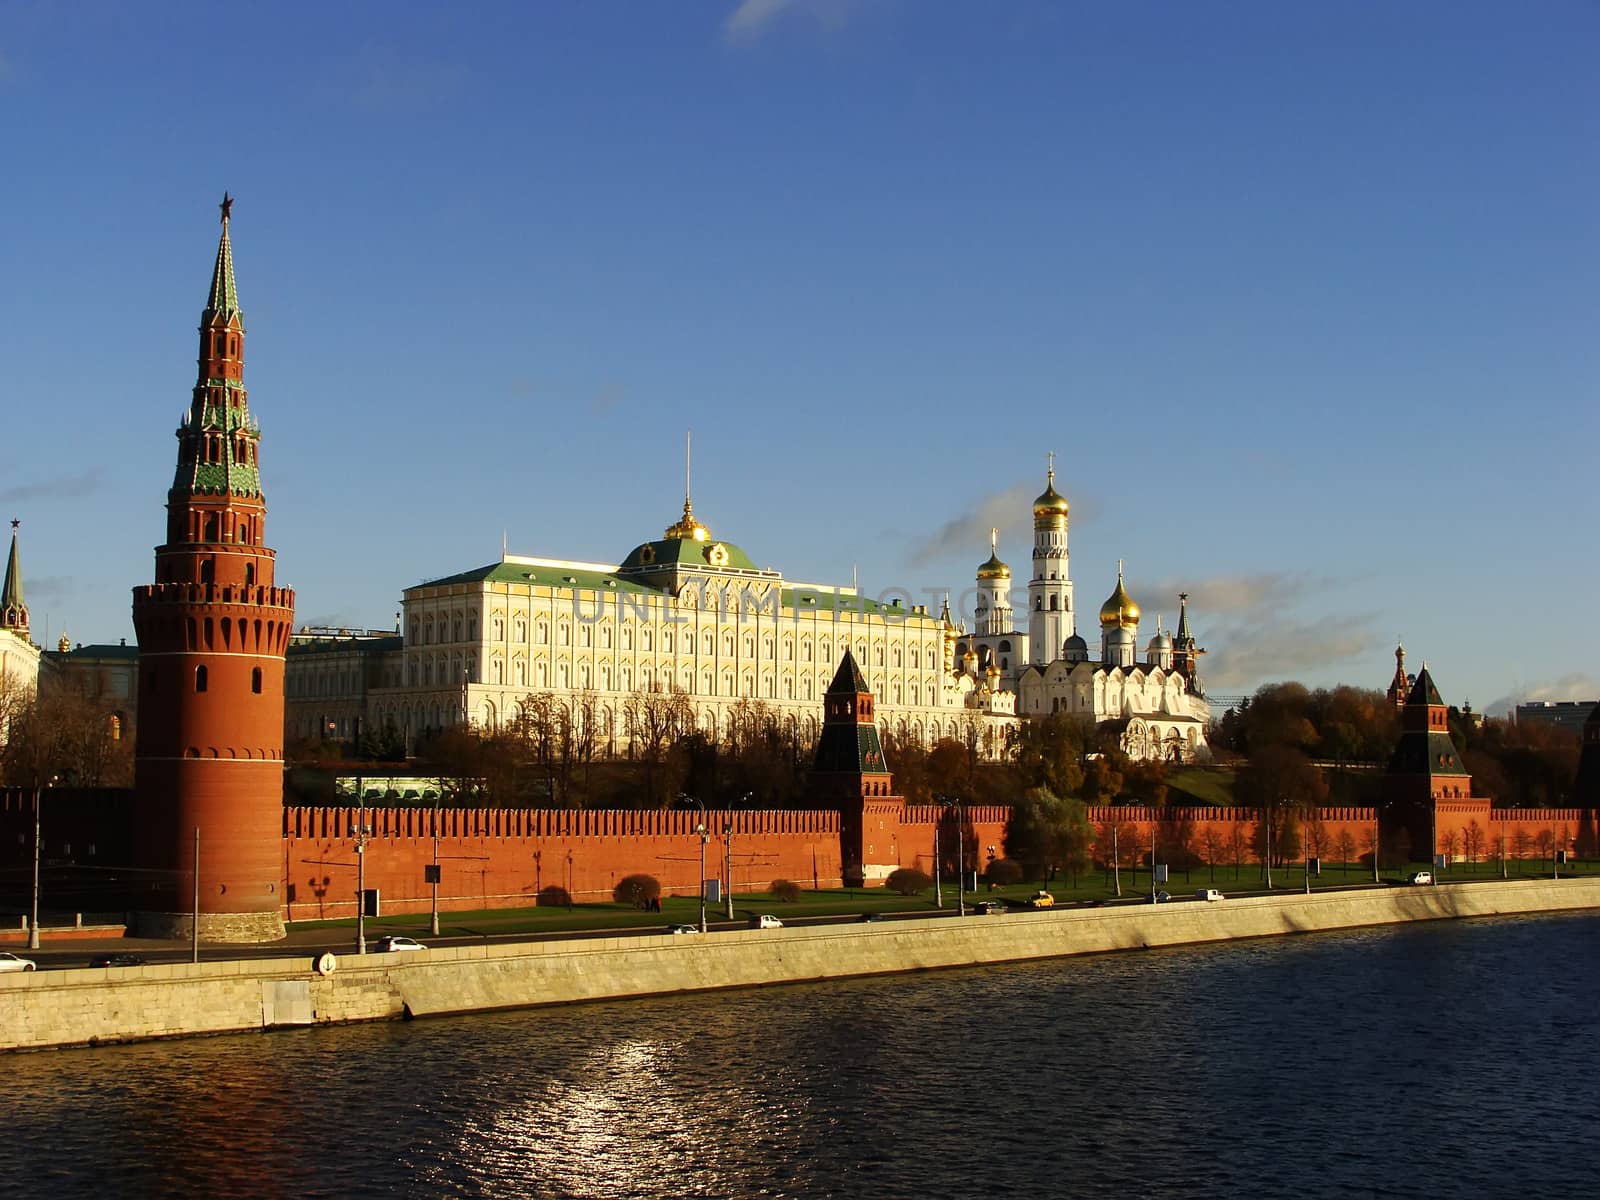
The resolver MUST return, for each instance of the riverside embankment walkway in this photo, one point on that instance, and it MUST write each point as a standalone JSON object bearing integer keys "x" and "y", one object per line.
{"x": 95, "y": 1006}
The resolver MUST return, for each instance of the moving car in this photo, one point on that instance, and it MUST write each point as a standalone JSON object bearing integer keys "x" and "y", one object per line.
{"x": 1163, "y": 897}
{"x": 985, "y": 908}
{"x": 867, "y": 917}
{"x": 683, "y": 929}
{"x": 395, "y": 943}
{"x": 10, "y": 962}
{"x": 1041, "y": 899}
{"x": 116, "y": 960}
{"x": 1208, "y": 894}
{"x": 1421, "y": 877}
{"x": 765, "y": 921}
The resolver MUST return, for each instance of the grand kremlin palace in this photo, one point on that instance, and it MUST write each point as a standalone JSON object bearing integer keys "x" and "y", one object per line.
{"x": 685, "y": 613}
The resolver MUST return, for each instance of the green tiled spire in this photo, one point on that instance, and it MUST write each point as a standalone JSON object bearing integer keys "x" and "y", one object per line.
{"x": 224, "y": 302}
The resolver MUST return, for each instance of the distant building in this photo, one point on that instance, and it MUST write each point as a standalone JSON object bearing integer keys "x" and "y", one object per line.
{"x": 1562, "y": 714}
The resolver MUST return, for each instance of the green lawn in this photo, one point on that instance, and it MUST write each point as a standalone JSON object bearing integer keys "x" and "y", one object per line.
{"x": 1206, "y": 786}
{"x": 1095, "y": 885}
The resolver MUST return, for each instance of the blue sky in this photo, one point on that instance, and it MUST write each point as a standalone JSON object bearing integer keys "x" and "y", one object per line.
{"x": 1302, "y": 296}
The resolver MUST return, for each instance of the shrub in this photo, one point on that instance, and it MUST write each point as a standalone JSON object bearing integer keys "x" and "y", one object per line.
{"x": 786, "y": 890}
{"x": 554, "y": 896}
{"x": 908, "y": 881}
{"x": 638, "y": 890}
{"x": 1003, "y": 871}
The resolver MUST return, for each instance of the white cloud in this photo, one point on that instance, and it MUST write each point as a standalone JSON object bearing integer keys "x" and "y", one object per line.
{"x": 1248, "y": 626}
{"x": 752, "y": 19}
{"x": 1575, "y": 686}
{"x": 969, "y": 532}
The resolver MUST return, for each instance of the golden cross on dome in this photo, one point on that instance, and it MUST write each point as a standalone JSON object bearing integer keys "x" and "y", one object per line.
{"x": 1052, "y": 457}
{"x": 226, "y": 206}
{"x": 994, "y": 541}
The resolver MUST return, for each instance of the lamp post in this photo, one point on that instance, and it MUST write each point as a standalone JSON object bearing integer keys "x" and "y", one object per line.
{"x": 194, "y": 925}
{"x": 361, "y": 881}
{"x": 33, "y": 919}
{"x": 953, "y": 803}
{"x": 569, "y": 880}
{"x": 433, "y": 916}
{"x": 1116, "y": 860}
{"x": 705, "y": 836}
{"x": 1269, "y": 845}
{"x": 938, "y": 883}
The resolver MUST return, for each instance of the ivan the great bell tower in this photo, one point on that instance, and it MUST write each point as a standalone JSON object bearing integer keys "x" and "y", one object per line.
{"x": 212, "y": 632}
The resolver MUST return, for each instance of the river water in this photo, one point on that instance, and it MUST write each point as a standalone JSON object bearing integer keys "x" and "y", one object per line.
{"x": 1440, "y": 1059}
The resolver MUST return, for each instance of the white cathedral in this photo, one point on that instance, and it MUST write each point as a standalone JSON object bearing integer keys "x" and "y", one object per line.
{"x": 1157, "y": 704}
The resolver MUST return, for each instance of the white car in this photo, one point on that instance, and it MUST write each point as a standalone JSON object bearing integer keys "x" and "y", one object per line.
{"x": 394, "y": 942}
{"x": 765, "y": 921}
{"x": 10, "y": 962}
{"x": 1419, "y": 877}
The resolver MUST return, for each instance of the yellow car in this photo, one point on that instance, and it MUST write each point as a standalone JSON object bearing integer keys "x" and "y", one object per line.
{"x": 1041, "y": 899}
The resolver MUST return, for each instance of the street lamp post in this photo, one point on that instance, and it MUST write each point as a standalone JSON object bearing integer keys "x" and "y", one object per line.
{"x": 33, "y": 919}
{"x": 361, "y": 881}
{"x": 1269, "y": 846}
{"x": 705, "y": 836}
{"x": 938, "y": 881}
{"x": 433, "y": 916}
{"x": 194, "y": 924}
{"x": 1116, "y": 860}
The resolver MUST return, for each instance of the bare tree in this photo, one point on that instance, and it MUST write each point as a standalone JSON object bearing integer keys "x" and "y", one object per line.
{"x": 655, "y": 720}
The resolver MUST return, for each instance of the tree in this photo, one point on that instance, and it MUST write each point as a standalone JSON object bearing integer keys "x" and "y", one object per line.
{"x": 62, "y": 735}
{"x": 1344, "y": 845}
{"x": 908, "y": 881}
{"x": 1047, "y": 831}
{"x": 1049, "y": 753}
{"x": 641, "y": 891}
{"x": 656, "y": 719}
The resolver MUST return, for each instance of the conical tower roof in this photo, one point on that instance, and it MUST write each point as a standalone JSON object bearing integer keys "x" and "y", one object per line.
{"x": 13, "y": 608}
{"x": 1423, "y": 691}
{"x": 848, "y": 680}
{"x": 223, "y": 305}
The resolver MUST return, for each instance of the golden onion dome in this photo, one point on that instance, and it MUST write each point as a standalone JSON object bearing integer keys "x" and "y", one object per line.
{"x": 687, "y": 529}
{"x": 970, "y": 656}
{"x": 994, "y": 569}
{"x": 1120, "y": 608}
{"x": 1051, "y": 503}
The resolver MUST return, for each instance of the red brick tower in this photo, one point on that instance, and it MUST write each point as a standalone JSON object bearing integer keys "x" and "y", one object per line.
{"x": 850, "y": 773}
{"x": 1427, "y": 790}
{"x": 212, "y": 632}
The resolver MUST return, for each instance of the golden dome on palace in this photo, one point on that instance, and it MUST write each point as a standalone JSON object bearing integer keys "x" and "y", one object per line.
{"x": 687, "y": 528}
{"x": 994, "y": 568}
{"x": 1120, "y": 608}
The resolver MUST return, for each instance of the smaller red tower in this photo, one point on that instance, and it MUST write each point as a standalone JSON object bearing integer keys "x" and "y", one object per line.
{"x": 851, "y": 774}
{"x": 212, "y": 632}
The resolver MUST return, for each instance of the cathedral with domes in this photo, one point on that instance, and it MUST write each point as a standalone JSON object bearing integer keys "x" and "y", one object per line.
{"x": 1156, "y": 702}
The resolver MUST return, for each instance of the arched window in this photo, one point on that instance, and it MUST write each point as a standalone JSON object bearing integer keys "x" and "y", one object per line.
{"x": 200, "y": 678}
{"x": 255, "y": 680}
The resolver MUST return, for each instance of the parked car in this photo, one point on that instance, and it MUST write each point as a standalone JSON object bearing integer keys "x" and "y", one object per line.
{"x": 1421, "y": 877}
{"x": 765, "y": 921}
{"x": 986, "y": 908}
{"x": 394, "y": 943}
{"x": 1041, "y": 899}
{"x": 1208, "y": 894}
{"x": 683, "y": 929}
{"x": 866, "y": 917}
{"x": 1163, "y": 897}
{"x": 10, "y": 962}
{"x": 116, "y": 960}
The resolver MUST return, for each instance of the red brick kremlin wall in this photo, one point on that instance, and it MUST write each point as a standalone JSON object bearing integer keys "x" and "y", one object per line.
{"x": 500, "y": 858}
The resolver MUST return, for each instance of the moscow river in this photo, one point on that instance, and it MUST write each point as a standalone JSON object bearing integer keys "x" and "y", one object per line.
{"x": 1453, "y": 1058}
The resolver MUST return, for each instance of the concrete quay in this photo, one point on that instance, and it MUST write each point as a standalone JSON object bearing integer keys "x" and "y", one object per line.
{"x": 98, "y": 1006}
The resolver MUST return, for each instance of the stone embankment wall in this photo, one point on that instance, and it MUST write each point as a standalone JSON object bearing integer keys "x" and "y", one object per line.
{"x": 57, "y": 1008}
